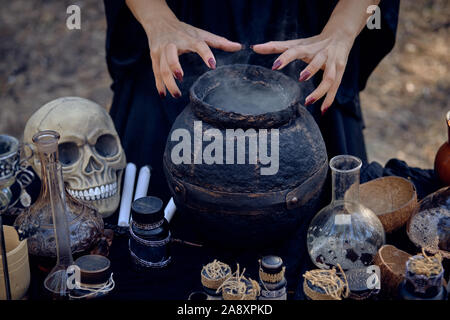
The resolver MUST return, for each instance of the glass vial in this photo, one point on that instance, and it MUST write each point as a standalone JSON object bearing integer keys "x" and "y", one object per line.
{"x": 344, "y": 232}
{"x": 47, "y": 144}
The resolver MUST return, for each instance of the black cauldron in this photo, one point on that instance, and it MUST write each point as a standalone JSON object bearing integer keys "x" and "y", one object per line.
{"x": 238, "y": 194}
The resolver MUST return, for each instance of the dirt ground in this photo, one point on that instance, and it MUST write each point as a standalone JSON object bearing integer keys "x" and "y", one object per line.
{"x": 404, "y": 103}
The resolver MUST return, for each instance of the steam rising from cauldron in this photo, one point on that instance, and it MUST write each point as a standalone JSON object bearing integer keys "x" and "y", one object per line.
{"x": 247, "y": 97}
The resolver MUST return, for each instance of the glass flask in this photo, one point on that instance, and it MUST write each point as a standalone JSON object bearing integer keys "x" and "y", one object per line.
{"x": 56, "y": 281}
{"x": 84, "y": 222}
{"x": 429, "y": 225}
{"x": 344, "y": 232}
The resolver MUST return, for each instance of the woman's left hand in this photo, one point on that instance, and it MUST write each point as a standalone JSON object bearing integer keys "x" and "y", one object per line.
{"x": 327, "y": 51}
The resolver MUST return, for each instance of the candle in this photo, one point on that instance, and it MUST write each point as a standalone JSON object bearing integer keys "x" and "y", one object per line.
{"x": 170, "y": 209}
{"x": 143, "y": 182}
{"x": 127, "y": 195}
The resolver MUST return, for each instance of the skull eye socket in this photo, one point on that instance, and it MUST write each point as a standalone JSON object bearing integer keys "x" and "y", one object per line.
{"x": 68, "y": 153}
{"x": 106, "y": 146}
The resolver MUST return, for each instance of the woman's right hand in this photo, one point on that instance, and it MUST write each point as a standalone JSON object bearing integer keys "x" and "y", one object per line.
{"x": 168, "y": 38}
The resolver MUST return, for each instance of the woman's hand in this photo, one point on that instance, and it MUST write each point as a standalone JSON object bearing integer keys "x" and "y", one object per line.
{"x": 327, "y": 51}
{"x": 171, "y": 38}
{"x": 168, "y": 38}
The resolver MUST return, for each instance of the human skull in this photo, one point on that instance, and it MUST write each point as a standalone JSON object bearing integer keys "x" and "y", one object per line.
{"x": 90, "y": 152}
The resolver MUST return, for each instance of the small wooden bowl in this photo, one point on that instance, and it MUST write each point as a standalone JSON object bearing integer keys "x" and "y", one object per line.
{"x": 392, "y": 199}
{"x": 392, "y": 263}
{"x": 18, "y": 265}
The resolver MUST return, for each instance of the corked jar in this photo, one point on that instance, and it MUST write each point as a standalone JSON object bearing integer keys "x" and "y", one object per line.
{"x": 424, "y": 278}
{"x": 213, "y": 275}
{"x": 363, "y": 283}
{"x": 251, "y": 291}
{"x": 271, "y": 278}
{"x": 95, "y": 277}
{"x": 149, "y": 234}
{"x": 239, "y": 287}
{"x": 320, "y": 284}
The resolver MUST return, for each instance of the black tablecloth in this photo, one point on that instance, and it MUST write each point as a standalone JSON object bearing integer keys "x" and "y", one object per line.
{"x": 182, "y": 276}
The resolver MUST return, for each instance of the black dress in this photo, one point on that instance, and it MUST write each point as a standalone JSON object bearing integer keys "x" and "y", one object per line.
{"x": 143, "y": 119}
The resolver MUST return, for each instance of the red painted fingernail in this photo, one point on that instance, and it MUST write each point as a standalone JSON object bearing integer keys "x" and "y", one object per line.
{"x": 251, "y": 46}
{"x": 212, "y": 63}
{"x": 179, "y": 76}
{"x": 162, "y": 95}
{"x": 276, "y": 64}
{"x": 177, "y": 95}
{"x": 325, "y": 110}
{"x": 304, "y": 75}
{"x": 309, "y": 101}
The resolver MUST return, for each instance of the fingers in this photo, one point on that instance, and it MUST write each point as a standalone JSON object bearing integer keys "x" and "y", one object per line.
{"x": 173, "y": 61}
{"x": 168, "y": 77}
{"x": 165, "y": 51}
{"x": 328, "y": 80}
{"x": 275, "y": 46}
{"x": 299, "y": 52}
{"x": 331, "y": 94}
{"x": 204, "y": 52}
{"x": 334, "y": 63}
{"x": 166, "y": 65}
{"x": 301, "y": 49}
{"x": 315, "y": 65}
{"x": 158, "y": 78}
{"x": 220, "y": 42}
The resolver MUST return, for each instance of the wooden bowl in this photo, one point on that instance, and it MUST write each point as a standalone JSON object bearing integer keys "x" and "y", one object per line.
{"x": 392, "y": 263}
{"x": 392, "y": 199}
{"x": 18, "y": 265}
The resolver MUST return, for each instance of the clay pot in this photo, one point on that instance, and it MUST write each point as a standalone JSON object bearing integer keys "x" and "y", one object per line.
{"x": 393, "y": 199}
{"x": 236, "y": 204}
{"x": 442, "y": 160}
{"x": 18, "y": 265}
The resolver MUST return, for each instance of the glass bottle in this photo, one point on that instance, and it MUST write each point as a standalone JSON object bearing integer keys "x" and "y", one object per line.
{"x": 47, "y": 143}
{"x": 84, "y": 222}
{"x": 344, "y": 232}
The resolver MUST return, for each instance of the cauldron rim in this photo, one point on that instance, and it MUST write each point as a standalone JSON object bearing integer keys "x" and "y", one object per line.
{"x": 221, "y": 118}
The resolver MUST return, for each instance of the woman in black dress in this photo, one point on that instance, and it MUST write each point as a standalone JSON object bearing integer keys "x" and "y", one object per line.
{"x": 156, "y": 50}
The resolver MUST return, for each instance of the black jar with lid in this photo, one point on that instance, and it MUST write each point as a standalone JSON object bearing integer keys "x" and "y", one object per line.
{"x": 149, "y": 234}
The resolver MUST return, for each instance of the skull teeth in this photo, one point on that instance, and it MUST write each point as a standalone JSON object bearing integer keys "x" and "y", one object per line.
{"x": 95, "y": 193}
